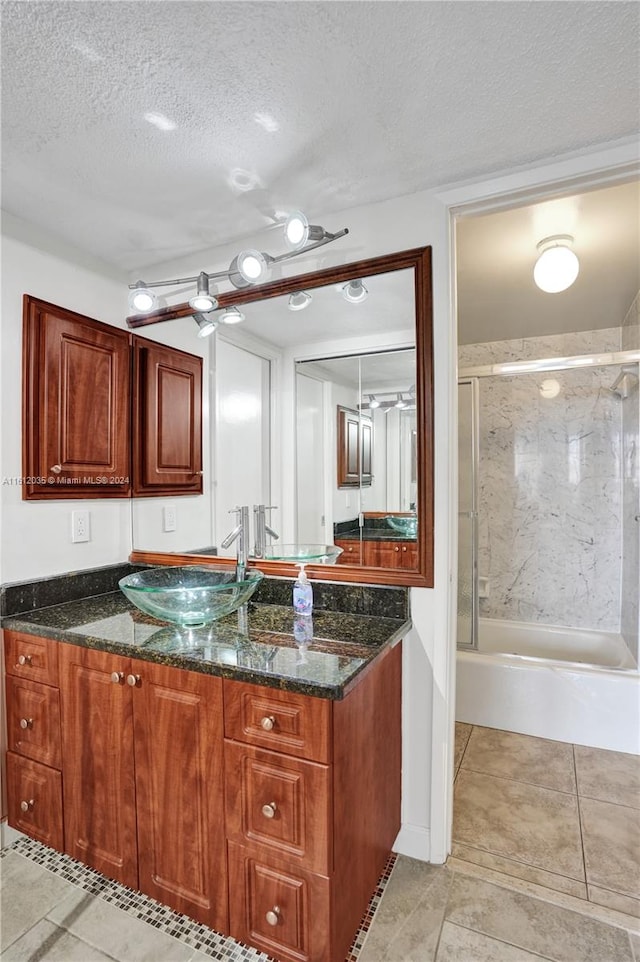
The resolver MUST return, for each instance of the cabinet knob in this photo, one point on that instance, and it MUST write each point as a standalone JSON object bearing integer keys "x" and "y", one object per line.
{"x": 133, "y": 680}
{"x": 404, "y": 548}
{"x": 269, "y": 810}
{"x": 396, "y": 548}
{"x": 56, "y": 468}
{"x": 273, "y": 915}
{"x": 26, "y": 723}
{"x": 25, "y": 806}
{"x": 25, "y": 660}
{"x": 268, "y": 723}
{"x": 117, "y": 677}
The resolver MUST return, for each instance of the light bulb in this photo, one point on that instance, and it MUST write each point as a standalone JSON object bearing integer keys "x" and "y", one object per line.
{"x": 355, "y": 292}
{"x": 373, "y": 402}
{"x": 557, "y": 266}
{"x": 203, "y": 300}
{"x": 141, "y": 299}
{"x": 231, "y": 316}
{"x": 299, "y": 300}
{"x": 248, "y": 268}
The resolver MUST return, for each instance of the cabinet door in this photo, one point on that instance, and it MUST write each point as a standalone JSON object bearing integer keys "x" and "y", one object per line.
{"x": 97, "y": 761}
{"x": 167, "y": 420}
{"x": 351, "y": 552}
{"x": 179, "y": 786}
{"x": 76, "y": 397}
{"x": 348, "y": 454}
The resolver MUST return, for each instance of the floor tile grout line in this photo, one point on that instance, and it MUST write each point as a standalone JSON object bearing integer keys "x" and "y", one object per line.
{"x": 444, "y": 915}
{"x": 584, "y": 855}
{"x": 607, "y": 801}
{"x": 516, "y": 861}
{"x": 493, "y": 938}
{"x": 518, "y": 781}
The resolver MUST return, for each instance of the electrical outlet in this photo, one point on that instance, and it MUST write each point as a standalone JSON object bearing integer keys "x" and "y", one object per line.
{"x": 80, "y": 526}
{"x": 169, "y": 519}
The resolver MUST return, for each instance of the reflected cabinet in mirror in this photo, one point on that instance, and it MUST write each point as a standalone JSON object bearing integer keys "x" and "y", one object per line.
{"x": 319, "y": 417}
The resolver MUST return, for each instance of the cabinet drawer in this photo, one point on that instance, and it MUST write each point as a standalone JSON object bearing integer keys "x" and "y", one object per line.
{"x": 281, "y": 720}
{"x": 280, "y": 802}
{"x": 34, "y": 794}
{"x": 33, "y": 720}
{"x": 283, "y": 911}
{"x": 27, "y": 656}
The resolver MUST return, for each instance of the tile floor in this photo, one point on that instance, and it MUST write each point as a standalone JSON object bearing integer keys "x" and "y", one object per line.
{"x": 545, "y": 867}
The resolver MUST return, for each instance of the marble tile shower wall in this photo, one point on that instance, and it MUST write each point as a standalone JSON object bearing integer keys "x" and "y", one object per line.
{"x": 630, "y": 614}
{"x": 550, "y": 493}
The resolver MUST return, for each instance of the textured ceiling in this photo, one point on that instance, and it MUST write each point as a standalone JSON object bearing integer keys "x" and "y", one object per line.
{"x": 278, "y": 105}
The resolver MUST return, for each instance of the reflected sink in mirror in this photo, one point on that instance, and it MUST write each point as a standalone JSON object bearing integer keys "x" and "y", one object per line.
{"x": 303, "y": 553}
{"x": 189, "y": 595}
{"x": 407, "y": 526}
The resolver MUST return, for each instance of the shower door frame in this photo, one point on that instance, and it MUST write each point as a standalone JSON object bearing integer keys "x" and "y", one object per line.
{"x": 472, "y": 381}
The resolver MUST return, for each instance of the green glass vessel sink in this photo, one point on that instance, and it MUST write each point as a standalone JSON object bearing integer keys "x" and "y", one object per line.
{"x": 189, "y": 595}
{"x": 404, "y": 525}
{"x": 303, "y": 553}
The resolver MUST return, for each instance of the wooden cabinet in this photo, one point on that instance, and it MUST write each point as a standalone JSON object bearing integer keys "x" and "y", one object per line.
{"x": 34, "y": 780}
{"x": 355, "y": 449}
{"x": 89, "y": 431}
{"x": 76, "y": 401}
{"x": 167, "y": 420}
{"x": 143, "y": 792}
{"x": 379, "y": 554}
{"x": 264, "y": 814}
{"x": 308, "y": 836}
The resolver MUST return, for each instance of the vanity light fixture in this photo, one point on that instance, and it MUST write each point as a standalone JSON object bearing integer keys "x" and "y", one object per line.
{"x": 202, "y": 300}
{"x": 298, "y": 232}
{"x": 141, "y": 299}
{"x": 557, "y": 266}
{"x": 355, "y": 292}
{"x": 400, "y": 403}
{"x": 231, "y": 316}
{"x": 299, "y": 300}
{"x": 206, "y": 323}
{"x": 249, "y": 267}
{"x": 373, "y": 401}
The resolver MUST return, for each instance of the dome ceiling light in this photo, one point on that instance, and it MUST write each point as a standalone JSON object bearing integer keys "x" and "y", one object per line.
{"x": 557, "y": 266}
{"x": 248, "y": 268}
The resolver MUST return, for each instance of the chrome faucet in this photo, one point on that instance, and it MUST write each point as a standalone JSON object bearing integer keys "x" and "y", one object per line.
{"x": 240, "y": 534}
{"x": 262, "y": 529}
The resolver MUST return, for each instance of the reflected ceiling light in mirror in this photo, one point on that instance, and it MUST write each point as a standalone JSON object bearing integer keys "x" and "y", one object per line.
{"x": 373, "y": 401}
{"x": 159, "y": 121}
{"x": 141, "y": 299}
{"x": 355, "y": 292}
{"x": 248, "y": 267}
{"x": 206, "y": 323}
{"x": 231, "y": 316}
{"x": 557, "y": 266}
{"x": 400, "y": 403}
{"x": 299, "y": 300}
{"x": 202, "y": 300}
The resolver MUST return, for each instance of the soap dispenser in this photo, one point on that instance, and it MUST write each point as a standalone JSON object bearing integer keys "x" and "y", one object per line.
{"x": 302, "y": 594}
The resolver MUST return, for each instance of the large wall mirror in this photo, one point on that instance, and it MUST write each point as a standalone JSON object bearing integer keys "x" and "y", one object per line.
{"x": 319, "y": 406}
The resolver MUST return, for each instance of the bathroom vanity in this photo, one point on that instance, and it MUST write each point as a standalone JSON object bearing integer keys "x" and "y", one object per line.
{"x": 245, "y": 780}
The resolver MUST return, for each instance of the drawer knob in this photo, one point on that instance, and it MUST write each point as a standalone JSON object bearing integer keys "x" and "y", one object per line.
{"x": 396, "y": 548}
{"x": 133, "y": 680}
{"x": 26, "y": 723}
{"x": 25, "y": 806}
{"x": 117, "y": 677}
{"x": 56, "y": 468}
{"x": 269, "y": 810}
{"x": 24, "y": 660}
{"x": 268, "y": 723}
{"x": 273, "y": 915}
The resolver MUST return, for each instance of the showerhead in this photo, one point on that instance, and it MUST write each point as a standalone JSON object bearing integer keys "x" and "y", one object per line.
{"x": 626, "y": 382}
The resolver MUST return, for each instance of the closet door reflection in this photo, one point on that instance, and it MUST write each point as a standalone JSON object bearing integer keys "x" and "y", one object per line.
{"x": 467, "y": 515}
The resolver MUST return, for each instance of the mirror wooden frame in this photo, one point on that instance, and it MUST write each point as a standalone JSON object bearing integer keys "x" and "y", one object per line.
{"x": 419, "y": 260}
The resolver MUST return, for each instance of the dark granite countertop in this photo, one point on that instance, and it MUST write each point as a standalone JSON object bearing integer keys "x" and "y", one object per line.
{"x": 256, "y": 645}
{"x": 373, "y": 534}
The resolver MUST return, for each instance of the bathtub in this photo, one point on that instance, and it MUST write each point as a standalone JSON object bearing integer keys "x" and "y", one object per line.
{"x": 571, "y": 685}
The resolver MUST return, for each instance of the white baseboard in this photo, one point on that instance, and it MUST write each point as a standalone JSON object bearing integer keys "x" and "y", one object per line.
{"x": 414, "y": 841}
{"x": 8, "y": 835}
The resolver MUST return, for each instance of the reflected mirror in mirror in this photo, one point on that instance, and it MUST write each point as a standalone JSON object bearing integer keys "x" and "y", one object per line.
{"x": 303, "y": 389}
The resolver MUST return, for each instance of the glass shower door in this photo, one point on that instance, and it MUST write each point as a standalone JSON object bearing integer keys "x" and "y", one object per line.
{"x": 467, "y": 636}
